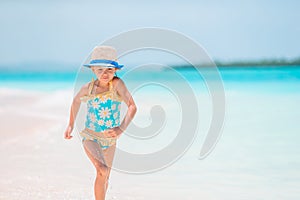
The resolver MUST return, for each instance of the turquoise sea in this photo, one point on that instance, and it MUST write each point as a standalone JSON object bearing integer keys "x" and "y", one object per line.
{"x": 267, "y": 79}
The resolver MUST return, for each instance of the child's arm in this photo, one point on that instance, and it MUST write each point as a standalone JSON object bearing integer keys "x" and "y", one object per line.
{"x": 126, "y": 96}
{"x": 74, "y": 110}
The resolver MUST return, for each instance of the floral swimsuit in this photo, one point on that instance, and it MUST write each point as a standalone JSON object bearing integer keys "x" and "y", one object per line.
{"x": 103, "y": 112}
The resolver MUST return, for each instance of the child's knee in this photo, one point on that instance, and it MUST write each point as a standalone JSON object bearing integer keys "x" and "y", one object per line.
{"x": 102, "y": 169}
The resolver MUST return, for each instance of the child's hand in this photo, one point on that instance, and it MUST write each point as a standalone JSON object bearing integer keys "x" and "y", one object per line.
{"x": 68, "y": 132}
{"x": 114, "y": 132}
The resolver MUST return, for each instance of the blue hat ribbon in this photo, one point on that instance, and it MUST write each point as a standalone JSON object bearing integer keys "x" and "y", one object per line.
{"x": 114, "y": 63}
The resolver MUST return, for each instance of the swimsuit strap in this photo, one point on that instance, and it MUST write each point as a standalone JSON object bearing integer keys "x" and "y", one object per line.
{"x": 91, "y": 86}
{"x": 110, "y": 85}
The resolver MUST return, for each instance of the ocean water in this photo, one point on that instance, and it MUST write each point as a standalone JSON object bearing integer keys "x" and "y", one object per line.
{"x": 268, "y": 79}
{"x": 256, "y": 157}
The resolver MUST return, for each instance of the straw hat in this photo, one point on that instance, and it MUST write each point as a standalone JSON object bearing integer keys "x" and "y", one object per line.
{"x": 104, "y": 56}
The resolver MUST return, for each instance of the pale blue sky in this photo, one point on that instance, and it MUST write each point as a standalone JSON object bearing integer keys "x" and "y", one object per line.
{"x": 66, "y": 31}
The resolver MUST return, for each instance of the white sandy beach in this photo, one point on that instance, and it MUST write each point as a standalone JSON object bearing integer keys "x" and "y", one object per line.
{"x": 256, "y": 158}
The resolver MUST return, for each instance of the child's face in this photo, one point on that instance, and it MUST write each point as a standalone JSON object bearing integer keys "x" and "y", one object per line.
{"x": 104, "y": 74}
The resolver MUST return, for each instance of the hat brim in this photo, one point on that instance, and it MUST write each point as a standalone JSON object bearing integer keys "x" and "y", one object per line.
{"x": 103, "y": 65}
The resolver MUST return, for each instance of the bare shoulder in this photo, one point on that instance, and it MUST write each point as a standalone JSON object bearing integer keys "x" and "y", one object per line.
{"x": 86, "y": 86}
{"x": 122, "y": 90}
{"x": 84, "y": 90}
{"x": 120, "y": 87}
{"x": 118, "y": 83}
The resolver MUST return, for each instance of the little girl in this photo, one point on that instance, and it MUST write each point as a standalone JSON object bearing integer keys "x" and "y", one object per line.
{"x": 102, "y": 126}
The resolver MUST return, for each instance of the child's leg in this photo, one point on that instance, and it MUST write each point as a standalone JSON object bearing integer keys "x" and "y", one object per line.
{"x": 109, "y": 154}
{"x": 95, "y": 154}
{"x": 93, "y": 149}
